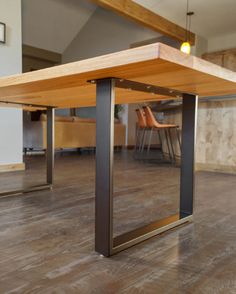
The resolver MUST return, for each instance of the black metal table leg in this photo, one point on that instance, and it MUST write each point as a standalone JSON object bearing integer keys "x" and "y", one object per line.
{"x": 104, "y": 167}
{"x": 187, "y": 158}
{"x": 105, "y": 244}
{"x": 49, "y": 161}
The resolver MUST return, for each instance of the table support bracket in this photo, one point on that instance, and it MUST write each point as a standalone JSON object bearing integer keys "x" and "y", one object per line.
{"x": 142, "y": 87}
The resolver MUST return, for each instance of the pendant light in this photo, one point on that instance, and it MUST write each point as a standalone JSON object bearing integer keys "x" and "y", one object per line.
{"x": 186, "y": 46}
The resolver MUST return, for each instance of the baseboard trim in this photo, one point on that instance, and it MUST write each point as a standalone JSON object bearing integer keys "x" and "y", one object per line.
{"x": 220, "y": 168}
{"x": 12, "y": 167}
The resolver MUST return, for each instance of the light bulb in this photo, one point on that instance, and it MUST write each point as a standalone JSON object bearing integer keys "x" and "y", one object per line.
{"x": 185, "y": 47}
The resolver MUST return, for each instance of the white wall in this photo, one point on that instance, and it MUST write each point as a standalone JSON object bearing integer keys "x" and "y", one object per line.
{"x": 213, "y": 44}
{"x": 222, "y": 42}
{"x": 201, "y": 46}
{"x": 10, "y": 63}
{"x": 53, "y": 24}
{"x": 105, "y": 32}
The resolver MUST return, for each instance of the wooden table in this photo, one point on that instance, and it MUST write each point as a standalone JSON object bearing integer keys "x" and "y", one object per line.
{"x": 147, "y": 73}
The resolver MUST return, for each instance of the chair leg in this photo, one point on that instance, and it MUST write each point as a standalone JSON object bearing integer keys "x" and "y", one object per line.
{"x": 171, "y": 145}
{"x": 150, "y": 139}
{"x": 160, "y": 139}
{"x": 136, "y": 138}
{"x": 178, "y": 139}
{"x": 167, "y": 143}
{"x": 144, "y": 140}
{"x": 140, "y": 140}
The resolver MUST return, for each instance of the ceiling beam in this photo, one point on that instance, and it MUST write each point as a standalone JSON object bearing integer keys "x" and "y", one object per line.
{"x": 146, "y": 17}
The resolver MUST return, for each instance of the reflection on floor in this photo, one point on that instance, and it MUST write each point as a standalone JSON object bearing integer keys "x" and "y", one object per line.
{"x": 47, "y": 237}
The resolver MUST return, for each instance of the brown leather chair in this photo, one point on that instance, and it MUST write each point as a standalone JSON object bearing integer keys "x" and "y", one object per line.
{"x": 154, "y": 125}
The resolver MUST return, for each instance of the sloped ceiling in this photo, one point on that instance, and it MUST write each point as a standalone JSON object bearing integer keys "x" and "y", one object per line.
{"x": 212, "y": 17}
{"x": 53, "y": 24}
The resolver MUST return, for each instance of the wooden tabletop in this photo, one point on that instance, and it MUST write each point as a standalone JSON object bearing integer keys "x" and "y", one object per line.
{"x": 66, "y": 86}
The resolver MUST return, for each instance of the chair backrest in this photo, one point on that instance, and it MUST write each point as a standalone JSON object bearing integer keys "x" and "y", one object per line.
{"x": 150, "y": 118}
{"x": 141, "y": 118}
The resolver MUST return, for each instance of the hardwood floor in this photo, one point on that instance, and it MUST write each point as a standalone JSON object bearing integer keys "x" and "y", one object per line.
{"x": 47, "y": 237}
